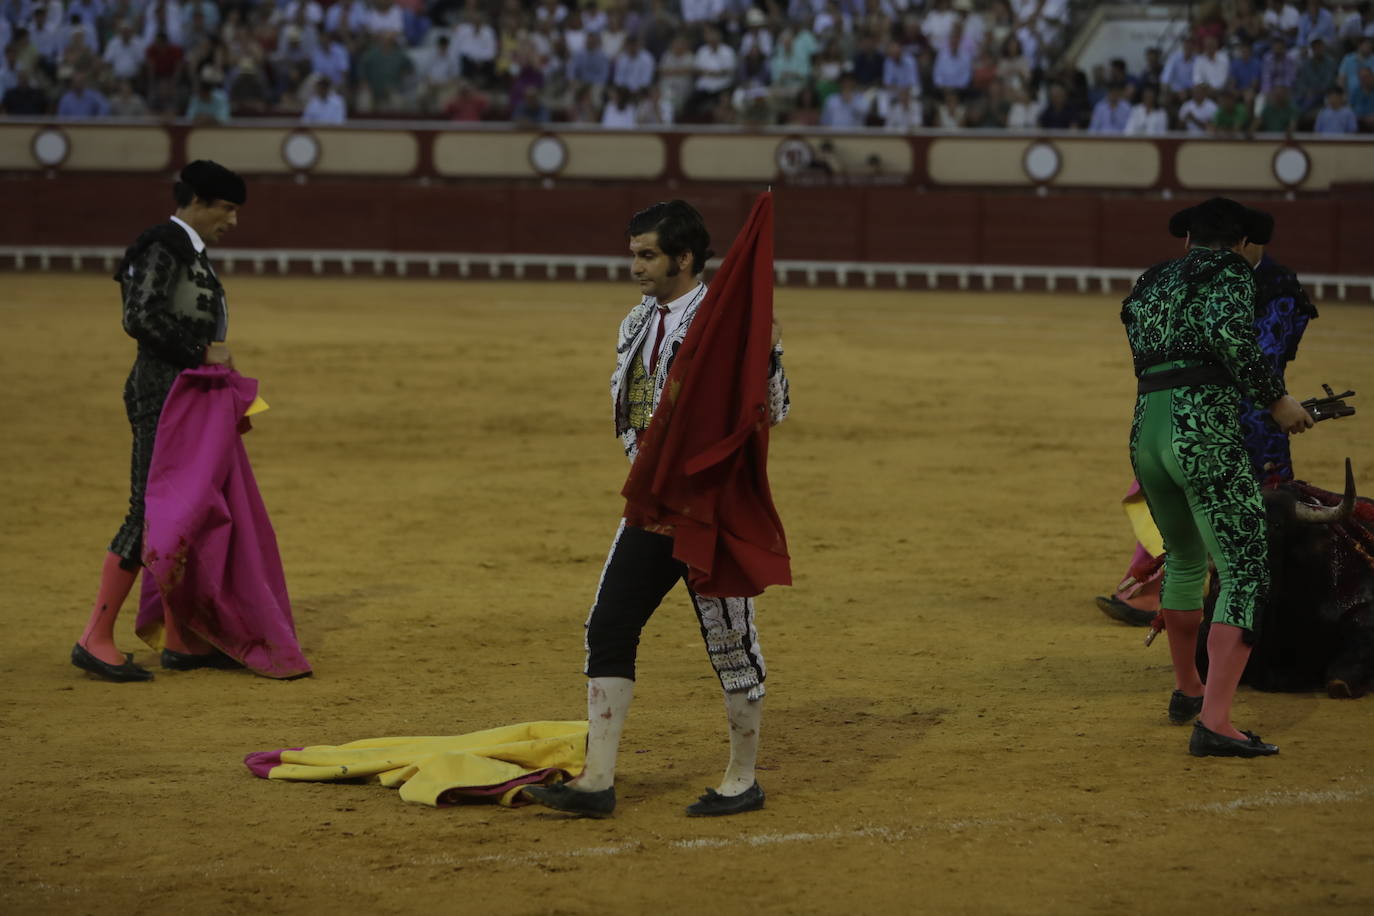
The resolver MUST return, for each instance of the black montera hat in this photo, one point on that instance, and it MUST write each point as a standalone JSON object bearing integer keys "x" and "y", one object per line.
{"x": 212, "y": 181}
{"x": 1255, "y": 225}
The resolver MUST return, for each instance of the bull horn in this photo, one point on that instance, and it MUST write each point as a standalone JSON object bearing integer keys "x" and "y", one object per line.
{"x": 1325, "y": 515}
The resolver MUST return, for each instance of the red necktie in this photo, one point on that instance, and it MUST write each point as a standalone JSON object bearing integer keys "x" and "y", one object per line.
{"x": 658, "y": 339}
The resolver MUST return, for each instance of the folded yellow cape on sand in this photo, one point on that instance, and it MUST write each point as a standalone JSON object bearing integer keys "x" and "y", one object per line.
{"x": 490, "y": 765}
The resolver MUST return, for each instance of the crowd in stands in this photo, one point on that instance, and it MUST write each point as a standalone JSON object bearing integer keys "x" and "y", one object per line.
{"x": 1244, "y": 66}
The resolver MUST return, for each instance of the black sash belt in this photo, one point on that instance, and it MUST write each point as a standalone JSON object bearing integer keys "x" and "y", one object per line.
{"x": 1185, "y": 375}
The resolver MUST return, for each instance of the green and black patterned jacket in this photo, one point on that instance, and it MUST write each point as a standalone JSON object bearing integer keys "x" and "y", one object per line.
{"x": 174, "y": 305}
{"x": 1200, "y": 308}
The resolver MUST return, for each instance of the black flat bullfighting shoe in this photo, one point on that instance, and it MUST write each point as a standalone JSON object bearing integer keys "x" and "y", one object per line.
{"x": 1117, "y": 609}
{"x": 1207, "y": 743}
{"x": 713, "y": 804}
{"x": 122, "y": 674}
{"x": 185, "y": 661}
{"x": 1183, "y": 708}
{"x": 561, "y": 798}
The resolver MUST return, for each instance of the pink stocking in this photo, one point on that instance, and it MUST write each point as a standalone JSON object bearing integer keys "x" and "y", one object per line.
{"x": 1182, "y": 627}
{"x": 1227, "y": 654}
{"x": 98, "y": 637}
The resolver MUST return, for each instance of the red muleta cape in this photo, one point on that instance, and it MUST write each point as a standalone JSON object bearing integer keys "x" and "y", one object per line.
{"x": 701, "y": 474}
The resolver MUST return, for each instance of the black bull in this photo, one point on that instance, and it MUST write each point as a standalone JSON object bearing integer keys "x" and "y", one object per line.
{"x": 1316, "y": 629}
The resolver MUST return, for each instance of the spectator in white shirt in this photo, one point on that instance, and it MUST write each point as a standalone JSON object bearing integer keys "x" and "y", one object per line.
{"x": 613, "y": 35}
{"x": 1197, "y": 113}
{"x": 1213, "y": 66}
{"x": 757, "y": 34}
{"x": 475, "y": 42}
{"x": 634, "y": 67}
{"x": 1024, "y": 113}
{"x": 550, "y": 11}
{"x": 594, "y": 18}
{"x": 831, "y": 21}
{"x": 124, "y": 53}
{"x": 702, "y": 10}
{"x": 938, "y": 22}
{"x": 619, "y": 112}
{"x": 165, "y": 17}
{"x": 901, "y": 111}
{"x": 1147, "y": 119}
{"x": 654, "y": 108}
{"x": 387, "y": 16}
{"x": 1283, "y": 18}
{"x": 574, "y": 35}
{"x": 715, "y": 64}
{"x": 325, "y": 106}
{"x": 675, "y": 72}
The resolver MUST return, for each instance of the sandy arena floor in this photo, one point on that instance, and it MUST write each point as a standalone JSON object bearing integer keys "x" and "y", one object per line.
{"x": 952, "y": 726}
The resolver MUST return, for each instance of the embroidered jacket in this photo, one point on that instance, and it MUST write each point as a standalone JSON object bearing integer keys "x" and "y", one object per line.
{"x": 174, "y": 305}
{"x": 1200, "y": 307}
{"x": 633, "y": 332}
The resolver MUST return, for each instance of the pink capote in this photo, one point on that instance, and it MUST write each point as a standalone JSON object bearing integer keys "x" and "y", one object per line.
{"x": 208, "y": 546}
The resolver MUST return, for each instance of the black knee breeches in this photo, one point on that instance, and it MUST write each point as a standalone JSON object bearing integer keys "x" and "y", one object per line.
{"x": 639, "y": 572}
{"x": 144, "y": 394}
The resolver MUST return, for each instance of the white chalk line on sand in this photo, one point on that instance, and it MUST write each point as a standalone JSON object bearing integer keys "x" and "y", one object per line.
{"x": 891, "y": 834}
{"x": 1297, "y": 798}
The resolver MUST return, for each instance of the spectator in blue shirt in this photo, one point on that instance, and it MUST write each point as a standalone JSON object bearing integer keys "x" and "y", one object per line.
{"x": 1336, "y": 117}
{"x": 1178, "y": 69}
{"x": 954, "y": 62}
{"x": 1362, "y": 99}
{"x": 1316, "y": 22}
{"x": 80, "y": 101}
{"x": 1112, "y": 112}
{"x": 1245, "y": 68}
{"x": 845, "y": 108}
{"x": 1316, "y": 74}
{"x": 1363, "y": 56}
{"x": 1279, "y": 69}
{"x": 590, "y": 66}
{"x": 210, "y": 103}
{"x": 330, "y": 59}
{"x": 899, "y": 70}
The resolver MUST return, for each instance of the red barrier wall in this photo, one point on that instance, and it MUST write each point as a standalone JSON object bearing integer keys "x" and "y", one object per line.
{"x": 1328, "y": 236}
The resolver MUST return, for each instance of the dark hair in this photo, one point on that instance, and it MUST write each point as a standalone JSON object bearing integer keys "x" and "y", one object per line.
{"x": 680, "y": 228}
{"x": 182, "y": 194}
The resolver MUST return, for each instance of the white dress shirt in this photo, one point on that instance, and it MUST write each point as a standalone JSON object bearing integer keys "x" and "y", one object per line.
{"x": 196, "y": 241}
{"x": 676, "y": 309}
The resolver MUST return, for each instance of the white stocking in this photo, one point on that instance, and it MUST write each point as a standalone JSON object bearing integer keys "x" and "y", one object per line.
{"x": 608, "y": 702}
{"x": 745, "y": 716}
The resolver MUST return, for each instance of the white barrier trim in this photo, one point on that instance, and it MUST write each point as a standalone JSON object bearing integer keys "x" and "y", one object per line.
{"x": 517, "y": 266}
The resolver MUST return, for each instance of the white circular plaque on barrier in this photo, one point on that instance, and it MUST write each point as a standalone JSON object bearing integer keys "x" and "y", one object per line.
{"x": 548, "y": 154}
{"x": 301, "y": 150}
{"x": 793, "y": 156}
{"x": 1291, "y": 165}
{"x": 50, "y": 147}
{"x": 1041, "y": 161}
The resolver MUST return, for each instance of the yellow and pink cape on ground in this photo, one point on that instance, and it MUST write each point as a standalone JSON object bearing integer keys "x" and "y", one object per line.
{"x": 490, "y": 765}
